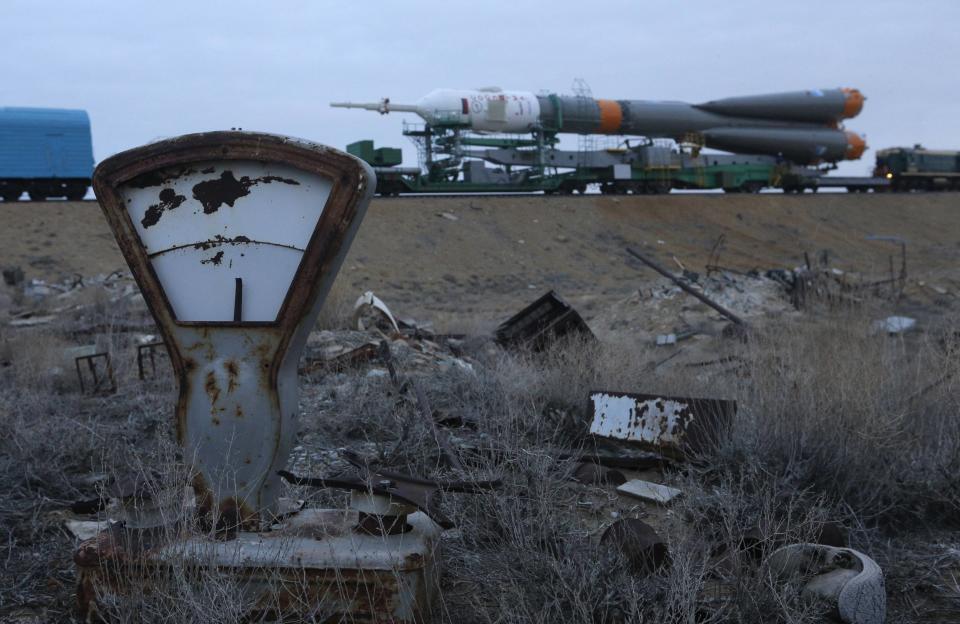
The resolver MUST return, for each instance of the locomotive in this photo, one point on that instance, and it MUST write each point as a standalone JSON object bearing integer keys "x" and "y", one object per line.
{"x": 919, "y": 169}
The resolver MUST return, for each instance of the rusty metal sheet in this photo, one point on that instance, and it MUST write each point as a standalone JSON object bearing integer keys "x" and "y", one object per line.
{"x": 544, "y": 321}
{"x": 674, "y": 426}
{"x": 234, "y": 239}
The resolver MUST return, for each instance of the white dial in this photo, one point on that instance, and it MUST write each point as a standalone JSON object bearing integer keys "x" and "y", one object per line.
{"x": 221, "y": 252}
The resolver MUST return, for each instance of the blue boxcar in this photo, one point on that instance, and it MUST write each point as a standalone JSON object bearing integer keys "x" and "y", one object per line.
{"x": 46, "y": 152}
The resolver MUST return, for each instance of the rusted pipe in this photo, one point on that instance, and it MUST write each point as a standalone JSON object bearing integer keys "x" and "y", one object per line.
{"x": 690, "y": 291}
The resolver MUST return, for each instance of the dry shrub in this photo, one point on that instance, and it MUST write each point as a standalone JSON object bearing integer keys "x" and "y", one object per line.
{"x": 337, "y": 310}
{"x": 864, "y": 419}
{"x": 834, "y": 423}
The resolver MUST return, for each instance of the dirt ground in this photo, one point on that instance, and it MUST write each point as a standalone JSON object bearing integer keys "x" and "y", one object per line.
{"x": 876, "y": 416}
{"x": 468, "y": 263}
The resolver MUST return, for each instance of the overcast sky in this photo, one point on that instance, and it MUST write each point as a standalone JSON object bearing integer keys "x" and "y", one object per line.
{"x": 149, "y": 70}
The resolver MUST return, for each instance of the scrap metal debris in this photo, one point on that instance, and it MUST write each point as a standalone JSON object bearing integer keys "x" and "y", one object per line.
{"x": 847, "y": 582}
{"x": 541, "y": 323}
{"x": 99, "y": 369}
{"x": 650, "y": 492}
{"x": 147, "y": 351}
{"x": 590, "y": 473}
{"x": 894, "y": 325}
{"x": 369, "y": 311}
{"x": 674, "y": 426}
{"x": 687, "y": 289}
{"x": 642, "y": 547}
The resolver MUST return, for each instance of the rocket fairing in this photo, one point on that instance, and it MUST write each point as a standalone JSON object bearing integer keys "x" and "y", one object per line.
{"x": 801, "y": 126}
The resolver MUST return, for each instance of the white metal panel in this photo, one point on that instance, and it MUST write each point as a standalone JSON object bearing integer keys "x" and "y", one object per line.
{"x": 625, "y": 418}
{"x": 212, "y": 222}
{"x": 286, "y": 215}
{"x": 208, "y": 294}
{"x": 649, "y": 491}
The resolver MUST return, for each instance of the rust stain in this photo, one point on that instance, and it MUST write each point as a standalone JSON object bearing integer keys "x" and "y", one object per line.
{"x": 215, "y": 260}
{"x": 239, "y": 412}
{"x": 233, "y": 516}
{"x": 220, "y": 239}
{"x": 233, "y": 374}
{"x": 213, "y": 390}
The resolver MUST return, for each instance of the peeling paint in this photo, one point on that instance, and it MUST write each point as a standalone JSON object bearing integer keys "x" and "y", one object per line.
{"x": 227, "y": 189}
{"x": 675, "y": 425}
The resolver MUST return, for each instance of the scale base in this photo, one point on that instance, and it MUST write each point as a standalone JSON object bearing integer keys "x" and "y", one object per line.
{"x": 312, "y": 566}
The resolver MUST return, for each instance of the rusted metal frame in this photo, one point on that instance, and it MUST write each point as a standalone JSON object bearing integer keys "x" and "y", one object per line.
{"x": 685, "y": 288}
{"x": 151, "y": 349}
{"x": 414, "y": 491}
{"x": 93, "y": 373}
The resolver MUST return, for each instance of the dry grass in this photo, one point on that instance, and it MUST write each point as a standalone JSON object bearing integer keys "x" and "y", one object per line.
{"x": 835, "y": 424}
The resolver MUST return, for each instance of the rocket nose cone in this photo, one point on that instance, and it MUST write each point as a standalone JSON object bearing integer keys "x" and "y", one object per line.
{"x": 852, "y": 103}
{"x": 856, "y": 145}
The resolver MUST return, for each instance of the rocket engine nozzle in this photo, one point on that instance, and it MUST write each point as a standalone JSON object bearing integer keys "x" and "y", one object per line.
{"x": 856, "y": 145}
{"x": 852, "y": 103}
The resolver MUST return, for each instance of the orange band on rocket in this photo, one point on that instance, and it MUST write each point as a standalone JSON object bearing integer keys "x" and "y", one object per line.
{"x": 611, "y": 116}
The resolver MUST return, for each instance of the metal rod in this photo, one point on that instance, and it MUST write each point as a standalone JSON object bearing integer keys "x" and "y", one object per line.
{"x": 238, "y": 300}
{"x": 690, "y": 291}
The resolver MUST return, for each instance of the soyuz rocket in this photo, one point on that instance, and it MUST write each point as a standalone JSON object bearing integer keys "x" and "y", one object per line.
{"x": 801, "y": 126}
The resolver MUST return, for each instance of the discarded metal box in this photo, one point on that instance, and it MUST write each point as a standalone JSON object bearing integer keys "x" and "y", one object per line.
{"x": 312, "y": 566}
{"x": 674, "y": 426}
{"x": 545, "y": 320}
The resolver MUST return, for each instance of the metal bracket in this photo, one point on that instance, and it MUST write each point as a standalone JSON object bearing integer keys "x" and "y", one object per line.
{"x": 99, "y": 380}
{"x": 147, "y": 351}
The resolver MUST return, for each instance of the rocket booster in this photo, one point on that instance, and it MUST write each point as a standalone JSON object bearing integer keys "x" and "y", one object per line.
{"x": 802, "y": 126}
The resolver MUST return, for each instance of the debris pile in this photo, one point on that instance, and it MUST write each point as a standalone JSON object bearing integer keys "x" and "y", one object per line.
{"x": 80, "y": 304}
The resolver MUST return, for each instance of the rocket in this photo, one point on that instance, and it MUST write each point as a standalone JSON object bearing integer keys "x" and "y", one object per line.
{"x": 801, "y": 126}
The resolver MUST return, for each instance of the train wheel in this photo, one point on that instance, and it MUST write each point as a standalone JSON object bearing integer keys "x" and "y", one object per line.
{"x": 751, "y": 187}
{"x": 76, "y": 193}
{"x": 37, "y": 195}
{"x": 10, "y": 195}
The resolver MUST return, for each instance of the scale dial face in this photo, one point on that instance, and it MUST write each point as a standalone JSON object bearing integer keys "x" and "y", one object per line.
{"x": 224, "y": 248}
